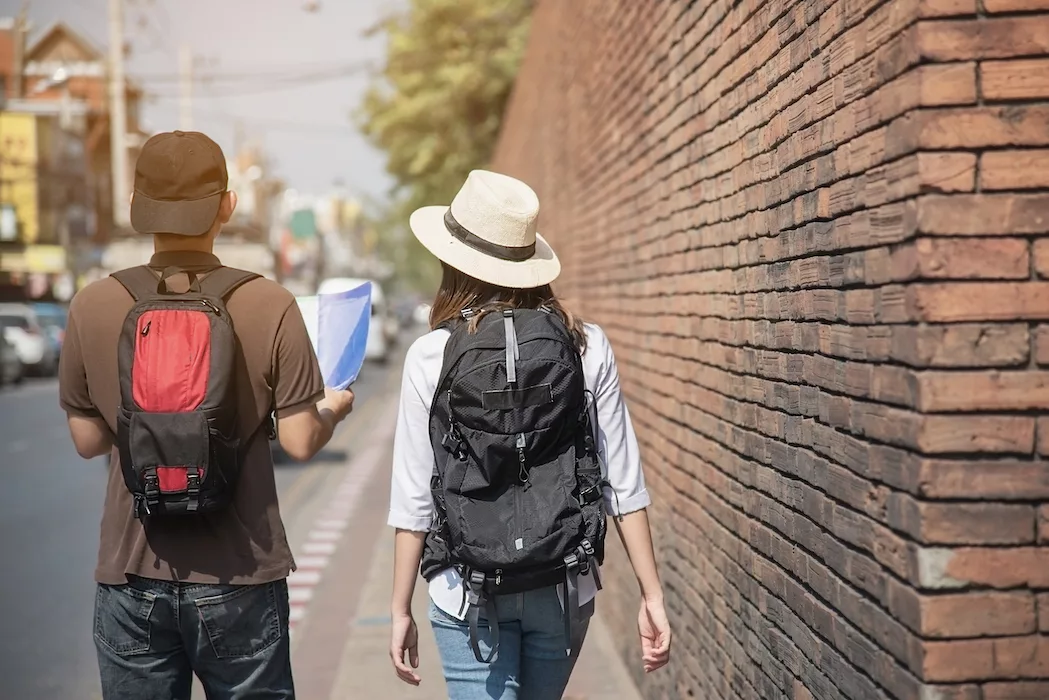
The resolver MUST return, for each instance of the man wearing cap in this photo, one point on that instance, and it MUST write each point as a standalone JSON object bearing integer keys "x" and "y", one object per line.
{"x": 202, "y": 593}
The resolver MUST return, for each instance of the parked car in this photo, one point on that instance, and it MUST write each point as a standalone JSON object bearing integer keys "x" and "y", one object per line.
{"x": 378, "y": 346}
{"x": 11, "y": 371}
{"x": 421, "y": 314}
{"x": 53, "y": 319}
{"x": 36, "y": 349}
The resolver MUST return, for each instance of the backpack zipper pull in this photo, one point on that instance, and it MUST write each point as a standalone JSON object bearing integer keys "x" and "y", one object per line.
{"x": 145, "y": 331}
{"x": 523, "y": 474}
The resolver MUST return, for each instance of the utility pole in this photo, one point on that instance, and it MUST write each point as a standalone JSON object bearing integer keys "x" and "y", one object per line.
{"x": 19, "y": 34}
{"x": 118, "y": 113}
{"x": 185, "y": 56}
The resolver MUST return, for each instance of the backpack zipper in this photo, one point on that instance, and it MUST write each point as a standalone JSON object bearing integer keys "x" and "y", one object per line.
{"x": 523, "y": 469}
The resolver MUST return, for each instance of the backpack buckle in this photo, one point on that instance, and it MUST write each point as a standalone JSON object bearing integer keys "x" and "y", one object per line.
{"x": 453, "y": 442}
{"x": 193, "y": 490}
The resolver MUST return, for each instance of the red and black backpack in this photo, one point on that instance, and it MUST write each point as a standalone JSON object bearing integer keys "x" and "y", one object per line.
{"x": 176, "y": 427}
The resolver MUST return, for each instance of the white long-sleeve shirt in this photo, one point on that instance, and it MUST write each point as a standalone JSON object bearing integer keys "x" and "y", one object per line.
{"x": 411, "y": 504}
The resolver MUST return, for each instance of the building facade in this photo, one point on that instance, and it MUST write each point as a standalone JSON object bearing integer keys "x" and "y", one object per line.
{"x": 55, "y": 159}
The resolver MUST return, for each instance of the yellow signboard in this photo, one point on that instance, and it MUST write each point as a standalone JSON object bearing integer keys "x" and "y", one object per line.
{"x": 18, "y": 171}
{"x": 45, "y": 258}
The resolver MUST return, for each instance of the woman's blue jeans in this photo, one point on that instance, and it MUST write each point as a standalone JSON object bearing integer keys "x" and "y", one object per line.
{"x": 531, "y": 663}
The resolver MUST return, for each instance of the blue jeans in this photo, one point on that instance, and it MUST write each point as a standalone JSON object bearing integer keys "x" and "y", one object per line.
{"x": 531, "y": 663}
{"x": 152, "y": 636}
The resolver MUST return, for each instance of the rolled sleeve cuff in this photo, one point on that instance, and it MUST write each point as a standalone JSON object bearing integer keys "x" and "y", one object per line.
{"x": 71, "y": 410}
{"x": 412, "y": 523}
{"x": 292, "y": 408}
{"x": 630, "y": 504}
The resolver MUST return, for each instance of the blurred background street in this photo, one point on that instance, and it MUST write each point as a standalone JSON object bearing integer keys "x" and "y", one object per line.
{"x": 816, "y": 233}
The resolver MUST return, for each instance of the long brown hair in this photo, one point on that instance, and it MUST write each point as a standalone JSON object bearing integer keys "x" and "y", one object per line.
{"x": 460, "y": 291}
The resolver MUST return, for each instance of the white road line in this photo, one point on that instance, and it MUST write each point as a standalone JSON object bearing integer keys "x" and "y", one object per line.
{"x": 311, "y": 562}
{"x": 327, "y": 533}
{"x": 331, "y": 524}
{"x": 302, "y": 578}
{"x": 319, "y": 548}
{"x": 300, "y": 594}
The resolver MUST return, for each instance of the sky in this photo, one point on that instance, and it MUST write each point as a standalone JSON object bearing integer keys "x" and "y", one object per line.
{"x": 268, "y": 44}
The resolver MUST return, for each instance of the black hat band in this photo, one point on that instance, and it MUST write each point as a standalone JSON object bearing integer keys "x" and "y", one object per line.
{"x": 503, "y": 252}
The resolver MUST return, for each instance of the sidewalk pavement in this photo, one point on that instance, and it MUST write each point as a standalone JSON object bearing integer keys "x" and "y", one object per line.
{"x": 365, "y": 670}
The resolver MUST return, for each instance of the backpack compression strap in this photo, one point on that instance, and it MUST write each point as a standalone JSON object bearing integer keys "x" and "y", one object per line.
{"x": 224, "y": 281}
{"x": 478, "y": 597}
{"x": 140, "y": 281}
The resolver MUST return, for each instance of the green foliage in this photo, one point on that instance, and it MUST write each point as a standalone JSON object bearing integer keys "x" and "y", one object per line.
{"x": 436, "y": 106}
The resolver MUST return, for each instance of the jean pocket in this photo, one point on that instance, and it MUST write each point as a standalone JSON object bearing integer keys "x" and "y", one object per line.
{"x": 438, "y": 615}
{"x": 122, "y": 618}
{"x": 245, "y": 620}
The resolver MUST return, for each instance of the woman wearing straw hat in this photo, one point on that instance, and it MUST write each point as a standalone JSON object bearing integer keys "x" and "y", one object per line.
{"x": 513, "y": 441}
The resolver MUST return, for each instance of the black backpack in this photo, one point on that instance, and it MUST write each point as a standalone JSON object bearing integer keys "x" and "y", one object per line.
{"x": 517, "y": 486}
{"x": 176, "y": 427}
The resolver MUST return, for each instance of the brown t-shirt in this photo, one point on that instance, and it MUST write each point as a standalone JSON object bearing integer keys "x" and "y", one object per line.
{"x": 245, "y": 543}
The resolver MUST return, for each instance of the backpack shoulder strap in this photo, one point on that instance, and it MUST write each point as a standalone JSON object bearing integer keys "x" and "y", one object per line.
{"x": 140, "y": 281}
{"x": 223, "y": 281}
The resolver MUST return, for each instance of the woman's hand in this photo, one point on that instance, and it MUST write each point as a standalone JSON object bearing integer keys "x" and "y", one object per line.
{"x": 654, "y": 627}
{"x": 405, "y": 638}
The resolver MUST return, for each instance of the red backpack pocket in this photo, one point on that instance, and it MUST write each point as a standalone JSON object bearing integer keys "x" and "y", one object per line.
{"x": 172, "y": 360}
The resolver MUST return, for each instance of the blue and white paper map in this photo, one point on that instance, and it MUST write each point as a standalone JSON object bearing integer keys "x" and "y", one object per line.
{"x": 338, "y": 328}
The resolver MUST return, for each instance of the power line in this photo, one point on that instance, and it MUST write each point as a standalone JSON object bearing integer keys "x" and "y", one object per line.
{"x": 275, "y": 86}
{"x": 280, "y": 124}
{"x": 285, "y": 74}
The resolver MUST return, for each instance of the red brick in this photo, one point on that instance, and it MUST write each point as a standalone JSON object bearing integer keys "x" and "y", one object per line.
{"x": 1043, "y": 525}
{"x": 962, "y": 39}
{"x": 956, "y": 434}
{"x": 1015, "y": 80}
{"x": 970, "y": 660}
{"x": 946, "y": 8}
{"x": 1041, "y": 257}
{"x": 995, "y": 6}
{"x": 1030, "y": 690}
{"x": 951, "y": 692}
{"x": 973, "y": 258}
{"x": 1043, "y": 436}
{"x": 992, "y": 214}
{"x": 948, "y": 84}
{"x": 1015, "y": 170}
{"x": 1043, "y": 612}
{"x": 973, "y": 523}
{"x": 980, "y": 301}
{"x": 983, "y": 127}
{"x": 991, "y": 567}
{"x": 977, "y": 614}
{"x": 983, "y": 479}
{"x": 941, "y": 392}
{"x": 947, "y": 172}
{"x": 962, "y": 345}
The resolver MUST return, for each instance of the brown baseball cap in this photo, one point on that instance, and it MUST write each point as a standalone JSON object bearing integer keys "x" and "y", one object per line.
{"x": 180, "y": 178}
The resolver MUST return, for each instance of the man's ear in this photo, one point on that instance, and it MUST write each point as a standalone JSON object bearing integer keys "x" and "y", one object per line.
{"x": 229, "y": 205}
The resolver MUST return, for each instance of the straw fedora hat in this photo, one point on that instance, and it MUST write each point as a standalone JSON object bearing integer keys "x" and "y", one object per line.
{"x": 489, "y": 233}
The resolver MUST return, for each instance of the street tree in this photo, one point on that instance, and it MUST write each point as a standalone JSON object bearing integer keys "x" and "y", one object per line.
{"x": 436, "y": 106}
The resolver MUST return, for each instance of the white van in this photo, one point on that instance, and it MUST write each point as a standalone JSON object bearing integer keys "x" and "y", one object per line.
{"x": 378, "y": 346}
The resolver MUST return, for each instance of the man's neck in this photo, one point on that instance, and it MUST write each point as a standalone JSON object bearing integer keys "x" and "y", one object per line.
{"x": 183, "y": 244}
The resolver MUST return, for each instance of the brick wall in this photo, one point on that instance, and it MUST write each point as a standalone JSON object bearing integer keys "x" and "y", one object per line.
{"x": 817, "y": 234}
